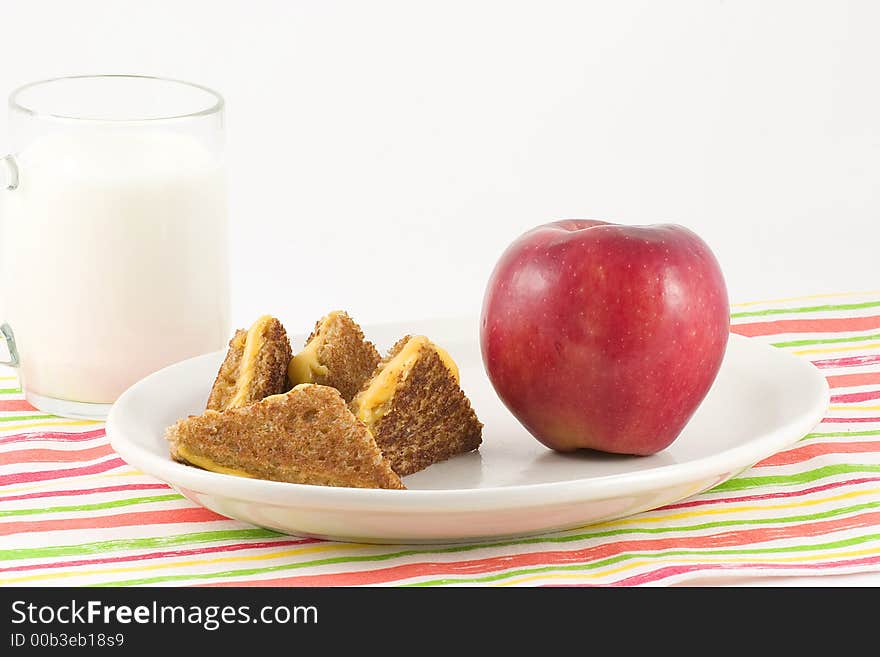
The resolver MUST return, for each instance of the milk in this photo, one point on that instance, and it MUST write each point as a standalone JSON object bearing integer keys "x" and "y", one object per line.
{"x": 115, "y": 259}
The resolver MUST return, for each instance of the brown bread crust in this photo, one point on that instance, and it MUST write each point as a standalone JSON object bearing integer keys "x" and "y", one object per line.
{"x": 430, "y": 419}
{"x": 347, "y": 355}
{"x": 270, "y": 376}
{"x": 224, "y": 384}
{"x": 305, "y": 436}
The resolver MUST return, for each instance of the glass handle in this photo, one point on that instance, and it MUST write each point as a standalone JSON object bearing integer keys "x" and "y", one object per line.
{"x": 6, "y": 330}
{"x": 9, "y": 178}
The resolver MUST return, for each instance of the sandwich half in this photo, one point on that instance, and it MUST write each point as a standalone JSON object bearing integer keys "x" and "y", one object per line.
{"x": 255, "y": 366}
{"x": 415, "y": 409}
{"x": 305, "y": 436}
{"x": 335, "y": 354}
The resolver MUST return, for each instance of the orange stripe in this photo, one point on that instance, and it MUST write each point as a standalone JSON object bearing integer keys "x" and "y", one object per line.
{"x": 58, "y": 455}
{"x": 196, "y": 514}
{"x": 852, "y": 380}
{"x": 818, "y": 449}
{"x": 830, "y": 325}
{"x": 15, "y": 405}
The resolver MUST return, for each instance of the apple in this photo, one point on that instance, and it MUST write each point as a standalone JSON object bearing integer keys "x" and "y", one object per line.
{"x": 604, "y": 336}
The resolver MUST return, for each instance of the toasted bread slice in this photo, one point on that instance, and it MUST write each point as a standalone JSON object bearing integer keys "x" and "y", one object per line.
{"x": 335, "y": 354}
{"x": 305, "y": 436}
{"x": 415, "y": 409}
{"x": 255, "y": 366}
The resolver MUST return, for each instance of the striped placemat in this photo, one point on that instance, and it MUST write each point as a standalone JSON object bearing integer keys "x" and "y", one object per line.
{"x": 73, "y": 513}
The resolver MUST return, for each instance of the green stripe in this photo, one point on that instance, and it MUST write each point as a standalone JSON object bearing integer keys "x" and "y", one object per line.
{"x": 807, "y": 309}
{"x": 467, "y": 548}
{"x": 848, "y": 542}
{"x": 13, "y": 418}
{"x": 133, "y": 544}
{"x": 842, "y": 434}
{"x": 803, "y": 343}
{"x": 799, "y": 478}
{"x": 9, "y": 391}
{"x": 92, "y": 507}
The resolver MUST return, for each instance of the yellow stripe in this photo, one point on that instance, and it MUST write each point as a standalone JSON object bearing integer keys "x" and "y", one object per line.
{"x": 131, "y": 473}
{"x": 55, "y": 482}
{"x": 847, "y": 407}
{"x": 8, "y": 378}
{"x": 828, "y": 350}
{"x": 811, "y": 296}
{"x": 314, "y": 549}
{"x": 729, "y": 510}
{"x": 693, "y": 560}
{"x": 64, "y": 423}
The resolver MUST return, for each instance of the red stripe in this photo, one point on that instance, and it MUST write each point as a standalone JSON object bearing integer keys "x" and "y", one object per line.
{"x": 45, "y": 475}
{"x": 848, "y": 361}
{"x": 833, "y": 325}
{"x": 84, "y": 491}
{"x": 769, "y": 496}
{"x": 52, "y": 435}
{"x": 141, "y": 518}
{"x": 584, "y": 555}
{"x": 161, "y": 555}
{"x": 852, "y": 380}
{"x": 15, "y": 405}
{"x": 670, "y": 571}
{"x": 813, "y": 450}
{"x": 58, "y": 455}
{"x": 855, "y": 397}
{"x": 846, "y": 420}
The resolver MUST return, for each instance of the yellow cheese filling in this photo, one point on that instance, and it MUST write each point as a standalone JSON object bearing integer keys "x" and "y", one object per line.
{"x": 371, "y": 404}
{"x": 304, "y": 366}
{"x": 207, "y": 464}
{"x": 253, "y": 342}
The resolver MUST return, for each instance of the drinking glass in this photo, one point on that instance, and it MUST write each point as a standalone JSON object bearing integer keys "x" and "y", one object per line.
{"x": 113, "y": 249}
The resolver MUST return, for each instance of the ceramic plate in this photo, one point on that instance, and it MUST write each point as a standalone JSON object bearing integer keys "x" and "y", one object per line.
{"x": 762, "y": 401}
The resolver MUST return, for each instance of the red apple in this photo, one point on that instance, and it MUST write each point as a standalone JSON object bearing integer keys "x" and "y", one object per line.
{"x": 605, "y": 336}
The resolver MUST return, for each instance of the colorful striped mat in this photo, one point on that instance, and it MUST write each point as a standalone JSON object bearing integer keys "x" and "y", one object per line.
{"x": 73, "y": 513}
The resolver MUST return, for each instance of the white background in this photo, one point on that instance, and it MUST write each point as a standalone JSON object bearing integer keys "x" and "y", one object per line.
{"x": 383, "y": 154}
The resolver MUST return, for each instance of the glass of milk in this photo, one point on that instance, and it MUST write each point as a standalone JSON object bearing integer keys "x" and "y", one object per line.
{"x": 113, "y": 239}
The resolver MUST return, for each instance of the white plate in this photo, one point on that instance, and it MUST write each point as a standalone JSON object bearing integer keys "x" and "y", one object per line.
{"x": 762, "y": 401}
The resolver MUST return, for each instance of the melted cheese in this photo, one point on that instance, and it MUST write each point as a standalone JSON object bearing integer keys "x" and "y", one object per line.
{"x": 207, "y": 464}
{"x": 372, "y": 403}
{"x": 304, "y": 366}
{"x": 253, "y": 342}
